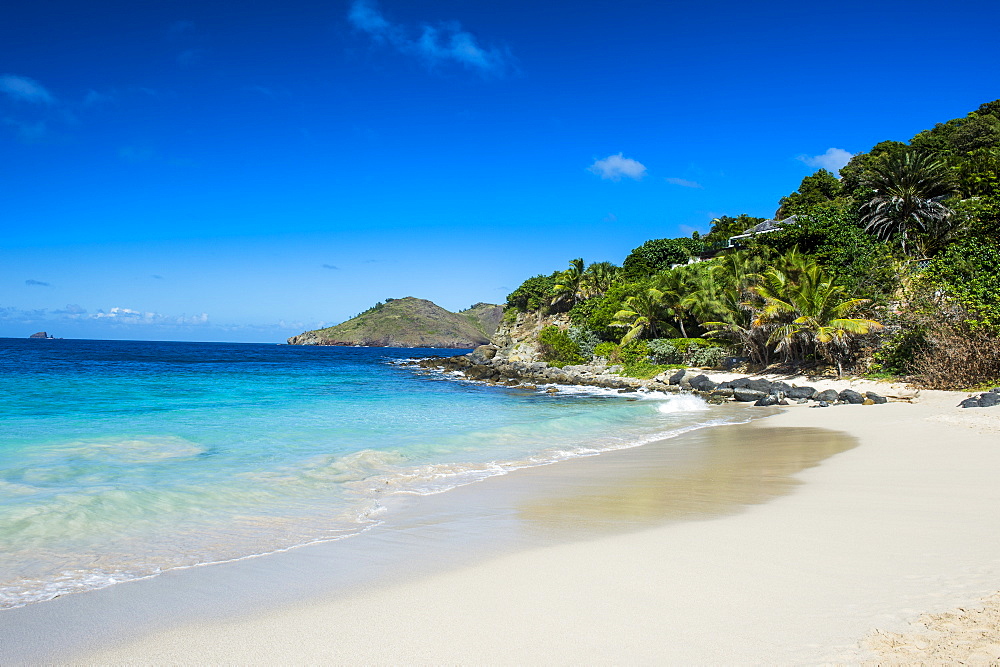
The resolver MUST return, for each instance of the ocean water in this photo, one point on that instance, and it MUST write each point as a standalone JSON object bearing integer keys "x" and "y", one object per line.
{"x": 120, "y": 460}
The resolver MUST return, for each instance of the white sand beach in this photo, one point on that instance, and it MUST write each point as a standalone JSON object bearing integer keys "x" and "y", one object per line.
{"x": 906, "y": 523}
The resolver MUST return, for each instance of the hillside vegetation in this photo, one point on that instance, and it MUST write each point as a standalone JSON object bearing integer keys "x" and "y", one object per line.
{"x": 889, "y": 268}
{"x": 410, "y": 322}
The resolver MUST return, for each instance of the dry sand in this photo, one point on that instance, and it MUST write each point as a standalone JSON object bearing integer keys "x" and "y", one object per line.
{"x": 904, "y": 524}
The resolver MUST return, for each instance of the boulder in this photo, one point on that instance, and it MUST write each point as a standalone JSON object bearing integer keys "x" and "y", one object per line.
{"x": 828, "y": 396}
{"x": 760, "y": 385}
{"x": 822, "y": 404}
{"x": 739, "y": 383}
{"x": 851, "y": 396}
{"x": 969, "y": 403}
{"x": 766, "y": 401}
{"x": 677, "y": 377}
{"x": 482, "y": 354}
{"x": 800, "y": 392}
{"x": 875, "y": 398}
{"x": 723, "y": 392}
{"x": 702, "y": 383}
{"x": 989, "y": 399}
{"x": 747, "y": 395}
{"x": 780, "y": 388}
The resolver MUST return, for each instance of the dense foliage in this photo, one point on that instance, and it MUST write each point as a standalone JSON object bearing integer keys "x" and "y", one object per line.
{"x": 890, "y": 266}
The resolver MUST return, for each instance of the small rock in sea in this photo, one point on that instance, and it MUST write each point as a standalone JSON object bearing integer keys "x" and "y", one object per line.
{"x": 969, "y": 403}
{"x": 876, "y": 398}
{"x": 551, "y": 390}
{"x": 989, "y": 399}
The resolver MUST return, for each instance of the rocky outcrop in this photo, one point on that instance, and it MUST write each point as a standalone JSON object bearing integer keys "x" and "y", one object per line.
{"x": 488, "y": 364}
{"x": 410, "y": 322}
{"x": 517, "y": 339}
{"x": 40, "y": 334}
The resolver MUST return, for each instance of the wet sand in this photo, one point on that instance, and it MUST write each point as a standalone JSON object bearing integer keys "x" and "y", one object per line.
{"x": 778, "y": 541}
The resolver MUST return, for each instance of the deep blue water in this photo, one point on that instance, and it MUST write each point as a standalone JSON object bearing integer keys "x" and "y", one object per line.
{"x": 120, "y": 459}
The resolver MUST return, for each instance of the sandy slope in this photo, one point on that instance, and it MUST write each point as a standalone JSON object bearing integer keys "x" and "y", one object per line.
{"x": 904, "y": 524}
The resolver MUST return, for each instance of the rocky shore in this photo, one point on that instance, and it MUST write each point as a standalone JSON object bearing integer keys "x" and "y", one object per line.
{"x": 485, "y": 365}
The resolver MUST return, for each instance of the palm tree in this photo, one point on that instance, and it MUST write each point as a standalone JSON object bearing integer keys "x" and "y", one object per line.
{"x": 644, "y": 314}
{"x": 908, "y": 189}
{"x": 810, "y": 314}
{"x": 599, "y": 277}
{"x": 570, "y": 281}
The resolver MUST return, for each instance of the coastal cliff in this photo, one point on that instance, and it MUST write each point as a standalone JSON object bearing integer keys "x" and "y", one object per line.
{"x": 410, "y": 322}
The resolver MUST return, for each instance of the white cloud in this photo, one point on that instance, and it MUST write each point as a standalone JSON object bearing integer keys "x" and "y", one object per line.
{"x": 832, "y": 160}
{"x": 614, "y": 167}
{"x": 24, "y": 89}
{"x": 440, "y": 44}
{"x": 684, "y": 183}
{"x": 130, "y": 316}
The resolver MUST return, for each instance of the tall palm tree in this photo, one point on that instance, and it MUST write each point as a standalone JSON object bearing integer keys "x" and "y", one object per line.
{"x": 908, "y": 189}
{"x": 570, "y": 282}
{"x": 599, "y": 277}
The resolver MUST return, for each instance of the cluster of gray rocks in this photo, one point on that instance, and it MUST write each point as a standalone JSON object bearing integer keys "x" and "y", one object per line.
{"x": 481, "y": 367}
{"x": 987, "y": 399}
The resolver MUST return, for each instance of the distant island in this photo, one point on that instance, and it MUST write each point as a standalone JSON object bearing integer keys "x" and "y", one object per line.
{"x": 410, "y": 322}
{"x": 40, "y": 334}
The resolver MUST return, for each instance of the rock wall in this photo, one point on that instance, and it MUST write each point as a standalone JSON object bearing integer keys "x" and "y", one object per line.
{"x": 517, "y": 341}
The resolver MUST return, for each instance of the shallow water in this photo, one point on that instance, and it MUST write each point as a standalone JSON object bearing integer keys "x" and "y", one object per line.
{"x": 119, "y": 460}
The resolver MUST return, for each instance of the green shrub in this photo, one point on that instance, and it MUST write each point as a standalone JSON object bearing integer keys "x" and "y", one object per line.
{"x": 585, "y": 339}
{"x": 558, "y": 348}
{"x": 533, "y": 294}
{"x": 606, "y": 350}
{"x": 658, "y": 254}
{"x": 967, "y": 273}
{"x": 897, "y": 354}
{"x": 688, "y": 351}
{"x": 645, "y": 370}
{"x": 633, "y": 352}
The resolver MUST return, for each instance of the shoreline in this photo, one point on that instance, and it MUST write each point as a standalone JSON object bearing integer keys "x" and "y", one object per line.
{"x": 867, "y": 541}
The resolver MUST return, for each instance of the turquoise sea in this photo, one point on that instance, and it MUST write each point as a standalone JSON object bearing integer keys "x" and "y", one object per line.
{"x": 123, "y": 459}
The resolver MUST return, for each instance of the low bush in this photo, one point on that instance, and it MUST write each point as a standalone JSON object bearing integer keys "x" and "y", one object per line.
{"x": 585, "y": 339}
{"x": 958, "y": 356}
{"x": 558, "y": 348}
{"x": 645, "y": 370}
{"x": 688, "y": 351}
{"x": 606, "y": 350}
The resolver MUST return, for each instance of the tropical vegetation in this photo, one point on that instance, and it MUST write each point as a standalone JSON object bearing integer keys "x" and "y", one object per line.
{"x": 888, "y": 267}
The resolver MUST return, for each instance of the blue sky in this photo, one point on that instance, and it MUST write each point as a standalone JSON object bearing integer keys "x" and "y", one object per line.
{"x": 245, "y": 171}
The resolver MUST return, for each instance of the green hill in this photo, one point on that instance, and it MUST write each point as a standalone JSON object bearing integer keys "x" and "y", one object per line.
{"x": 410, "y": 322}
